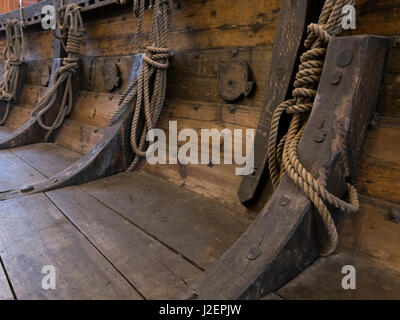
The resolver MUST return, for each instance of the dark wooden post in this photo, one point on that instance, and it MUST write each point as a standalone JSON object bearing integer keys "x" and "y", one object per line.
{"x": 282, "y": 240}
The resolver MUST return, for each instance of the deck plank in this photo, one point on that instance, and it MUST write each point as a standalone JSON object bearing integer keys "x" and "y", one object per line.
{"x": 198, "y": 228}
{"x": 5, "y": 131}
{"x": 47, "y": 158}
{"x": 152, "y": 268}
{"x": 34, "y": 233}
{"x": 5, "y": 290}
{"x": 323, "y": 280}
{"x": 15, "y": 173}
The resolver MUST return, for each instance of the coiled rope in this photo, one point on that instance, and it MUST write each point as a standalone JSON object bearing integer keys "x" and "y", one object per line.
{"x": 13, "y": 56}
{"x": 150, "y": 87}
{"x": 283, "y": 156}
{"x": 70, "y": 24}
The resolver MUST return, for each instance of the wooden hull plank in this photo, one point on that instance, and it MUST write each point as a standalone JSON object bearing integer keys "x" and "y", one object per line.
{"x": 281, "y": 242}
{"x": 34, "y": 234}
{"x": 152, "y": 268}
{"x": 289, "y": 37}
{"x": 199, "y": 229}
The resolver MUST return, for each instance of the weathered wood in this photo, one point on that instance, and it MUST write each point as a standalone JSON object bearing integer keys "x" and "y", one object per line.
{"x": 5, "y": 290}
{"x": 34, "y": 234}
{"x": 31, "y": 132}
{"x": 110, "y": 155}
{"x": 190, "y": 224}
{"x": 371, "y": 233}
{"x": 20, "y": 83}
{"x": 281, "y": 242}
{"x": 15, "y": 173}
{"x": 33, "y": 13}
{"x": 47, "y": 158}
{"x": 153, "y": 269}
{"x": 289, "y": 37}
{"x": 323, "y": 280}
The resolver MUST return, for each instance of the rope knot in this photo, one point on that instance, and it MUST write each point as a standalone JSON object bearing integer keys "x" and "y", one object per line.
{"x": 157, "y": 57}
{"x": 316, "y": 32}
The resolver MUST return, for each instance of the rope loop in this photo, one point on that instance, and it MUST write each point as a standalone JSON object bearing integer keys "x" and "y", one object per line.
{"x": 282, "y": 155}
{"x": 145, "y": 96}
{"x": 70, "y": 25}
{"x": 13, "y": 53}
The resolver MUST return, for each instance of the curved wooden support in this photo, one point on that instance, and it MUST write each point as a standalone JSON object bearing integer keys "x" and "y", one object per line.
{"x": 20, "y": 84}
{"x": 109, "y": 156}
{"x": 289, "y": 37}
{"x": 31, "y": 132}
{"x": 284, "y": 239}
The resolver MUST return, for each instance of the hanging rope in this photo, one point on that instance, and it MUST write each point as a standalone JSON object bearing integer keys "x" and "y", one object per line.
{"x": 283, "y": 156}
{"x": 13, "y": 56}
{"x": 70, "y": 24}
{"x": 150, "y": 87}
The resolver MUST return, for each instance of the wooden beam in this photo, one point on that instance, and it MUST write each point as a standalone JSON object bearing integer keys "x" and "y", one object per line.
{"x": 289, "y": 38}
{"x": 33, "y": 13}
{"x": 109, "y": 156}
{"x": 282, "y": 241}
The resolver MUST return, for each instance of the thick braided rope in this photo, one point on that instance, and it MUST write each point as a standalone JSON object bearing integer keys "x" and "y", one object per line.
{"x": 13, "y": 56}
{"x": 283, "y": 156}
{"x": 70, "y": 24}
{"x": 150, "y": 87}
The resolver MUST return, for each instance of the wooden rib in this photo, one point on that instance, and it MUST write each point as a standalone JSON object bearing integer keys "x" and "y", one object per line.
{"x": 109, "y": 156}
{"x": 288, "y": 43}
{"x": 282, "y": 241}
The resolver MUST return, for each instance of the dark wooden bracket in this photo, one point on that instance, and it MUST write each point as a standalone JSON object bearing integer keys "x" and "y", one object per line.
{"x": 294, "y": 17}
{"x": 21, "y": 79}
{"x": 283, "y": 240}
{"x": 31, "y": 132}
{"x": 109, "y": 156}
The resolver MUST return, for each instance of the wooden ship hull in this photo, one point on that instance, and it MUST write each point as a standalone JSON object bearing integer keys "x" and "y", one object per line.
{"x": 200, "y": 231}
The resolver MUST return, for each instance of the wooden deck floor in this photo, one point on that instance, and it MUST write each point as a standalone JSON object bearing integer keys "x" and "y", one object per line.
{"x": 130, "y": 236}
{"x": 33, "y": 163}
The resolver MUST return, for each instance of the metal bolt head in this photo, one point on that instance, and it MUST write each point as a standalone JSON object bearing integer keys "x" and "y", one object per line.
{"x": 320, "y": 135}
{"x": 26, "y": 188}
{"x": 336, "y": 77}
{"x": 344, "y": 58}
{"x": 235, "y": 52}
{"x": 394, "y": 215}
{"x": 232, "y": 109}
{"x": 284, "y": 201}
{"x": 253, "y": 254}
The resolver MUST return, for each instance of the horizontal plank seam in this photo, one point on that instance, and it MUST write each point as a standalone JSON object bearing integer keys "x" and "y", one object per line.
{"x": 379, "y": 162}
{"x": 29, "y": 164}
{"x": 94, "y": 246}
{"x": 3, "y": 267}
{"x": 193, "y": 263}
